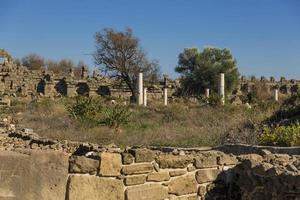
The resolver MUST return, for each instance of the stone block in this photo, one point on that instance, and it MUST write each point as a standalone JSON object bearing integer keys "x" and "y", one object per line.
{"x": 183, "y": 185}
{"x": 207, "y": 175}
{"x": 94, "y": 188}
{"x": 81, "y": 164}
{"x": 147, "y": 192}
{"x": 206, "y": 161}
{"x": 190, "y": 197}
{"x": 173, "y": 161}
{"x": 158, "y": 176}
{"x": 137, "y": 169}
{"x": 185, "y": 197}
{"x": 177, "y": 172}
{"x": 255, "y": 157}
{"x": 135, "y": 180}
{"x": 110, "y": 164}
{"x": 37, "y": 175}
{"x": 127, "y": 158}
{"x": 143, "y": 155}
{"x": 202, "y": 190}
{"x": 227, "y": 160}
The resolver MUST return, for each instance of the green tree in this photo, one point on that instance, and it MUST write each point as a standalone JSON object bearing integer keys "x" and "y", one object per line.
{"x": 119, "y": 55}
{"x": 201, "y": 70}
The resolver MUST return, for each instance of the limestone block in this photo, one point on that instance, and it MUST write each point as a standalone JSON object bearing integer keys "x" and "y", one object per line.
{"x": 135, "y": 180}
{"x": 227, "y": 160}
{"x": 183, "y": 185}
{"x": 147, "y": 192}
{"x": 205, "y": 161}
{"x": 185, "y": 197}
{"x": 127, "y": 158}
{"x": 143, "y": 155}
{"x": 202, "y": 190}
{"x": 110, "y": 164}
{"x": 177, "y": 172}
{"x": 137, "y": 169}
{"x": 82, "y": 164}
{"x": 37, "y": 175}
{"x": 207, "y": 175}
{"x": 158, "y": 176}
{"x": 173, "y": 161}
{"x": 191, "y": 197}
{"x": 255, "y": 157}
{"x": 94, "y": 188}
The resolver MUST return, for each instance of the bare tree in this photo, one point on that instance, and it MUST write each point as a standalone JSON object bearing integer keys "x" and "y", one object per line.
{"x": 119, "y": 55}
{"x": 33, "y": 62}
{"x": 53, "y": 66}
{"x": 61, "y": 67}
{"x": 66, "y": 65}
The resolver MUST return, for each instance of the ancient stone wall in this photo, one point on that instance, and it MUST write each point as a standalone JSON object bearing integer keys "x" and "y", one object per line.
{"x": 19, "y": 81}
{"x": 39, "y": 168}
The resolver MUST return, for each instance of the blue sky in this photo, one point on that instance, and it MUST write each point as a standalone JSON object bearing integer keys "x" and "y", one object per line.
{"x": 263, "y": 35}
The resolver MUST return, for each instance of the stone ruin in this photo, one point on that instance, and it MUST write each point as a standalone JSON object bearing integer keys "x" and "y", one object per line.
{"x": 284, "y": 86}
{"x": 19, "y": 81}
{"x": 32, "y": 167}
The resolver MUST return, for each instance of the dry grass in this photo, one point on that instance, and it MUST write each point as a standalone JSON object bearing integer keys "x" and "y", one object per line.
{"x": 185, "y": 125}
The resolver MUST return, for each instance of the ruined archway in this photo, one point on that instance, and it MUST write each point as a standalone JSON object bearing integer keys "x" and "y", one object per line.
{"x": 41, "y": 87}
{"x": 103, "y": 91}
{"x": 61, "y": 87}
{"x": 82, "y": 88}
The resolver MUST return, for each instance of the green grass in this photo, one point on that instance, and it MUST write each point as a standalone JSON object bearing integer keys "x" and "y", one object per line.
{"x": 178, "y": 124}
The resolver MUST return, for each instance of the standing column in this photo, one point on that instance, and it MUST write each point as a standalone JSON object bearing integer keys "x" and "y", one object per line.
{"x": 207, "y": 92}
{"x": 222, "y": 88}
{"x": 276, "y": 94}
{"x": 140, "y": 89}
{"x": 165, "y": 96}
{"x": 145, "y": 97}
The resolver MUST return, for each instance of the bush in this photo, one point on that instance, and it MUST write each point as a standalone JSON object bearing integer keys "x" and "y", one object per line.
{"x": 84, "y": 108}
{"x": 289, "y": 111}
{"x": 116, "y": 116}
{"x": 282, "y": 135}
{"x": 259, "y": 93}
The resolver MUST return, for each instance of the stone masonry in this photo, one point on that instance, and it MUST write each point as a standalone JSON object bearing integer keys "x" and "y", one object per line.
{"x": 19, "y": 81}
{"x": 39, "y": 168}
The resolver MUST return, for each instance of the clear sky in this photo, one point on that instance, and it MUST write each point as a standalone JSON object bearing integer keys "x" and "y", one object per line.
{"x": 263, "y": 35}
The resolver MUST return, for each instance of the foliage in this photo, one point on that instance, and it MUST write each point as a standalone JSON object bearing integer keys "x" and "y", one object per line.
{"x": 115, "y": 116}
{"x": 282, "y": 135}
{"x": 259, "y": 93}
{"x": 84, "y": 108}
{"x": 201, "y": 70}
{"x": 289, "y": 110}
{"x": 183, "y": 123}
{"x": 119, "y": 55}
{"x": 214, "y": 100}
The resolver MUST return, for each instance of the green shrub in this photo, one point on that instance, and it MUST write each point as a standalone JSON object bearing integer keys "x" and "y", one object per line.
{"x": 84, "y": 108}
{"x": 115, "y": 116}
{"x": 214, "y": 100}
{"x": 282, "y": 135}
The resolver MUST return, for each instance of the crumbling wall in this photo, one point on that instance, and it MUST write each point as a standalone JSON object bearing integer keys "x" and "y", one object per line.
{"x": 270, "y": 176}
{"x": 39, "y": 168}
{"x": 19, "y": 81}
